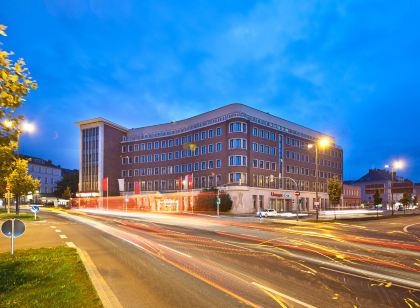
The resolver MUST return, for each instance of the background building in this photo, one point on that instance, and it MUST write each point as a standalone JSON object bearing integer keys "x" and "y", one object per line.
{"x": 351, "y": 196}
{"x": 380, "y": 180}
{"x": 246, "y": 152}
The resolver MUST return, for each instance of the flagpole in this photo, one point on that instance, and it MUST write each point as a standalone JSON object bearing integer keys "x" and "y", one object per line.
{"x": 107, "y": 193}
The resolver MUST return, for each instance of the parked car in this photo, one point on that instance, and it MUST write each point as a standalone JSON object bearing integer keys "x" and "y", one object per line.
{"x": 267, "y": 213}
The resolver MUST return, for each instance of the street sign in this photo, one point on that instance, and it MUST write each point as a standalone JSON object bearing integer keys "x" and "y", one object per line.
{"x": 16, "y": 225}
{"x": 297, "y": 194}
{"x": 218, "y": 201}
{"x": 35, "y": 208}
{"x": 12, "y": 228}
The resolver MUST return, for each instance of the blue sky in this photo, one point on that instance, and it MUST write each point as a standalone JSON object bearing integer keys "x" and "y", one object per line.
{"x": 347, "y": 68}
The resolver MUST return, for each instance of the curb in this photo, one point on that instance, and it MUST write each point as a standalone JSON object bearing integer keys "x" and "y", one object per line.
{"x": 107, "y": 297}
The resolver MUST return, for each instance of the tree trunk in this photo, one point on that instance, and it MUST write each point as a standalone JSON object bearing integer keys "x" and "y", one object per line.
{"x": 17, "y": 204}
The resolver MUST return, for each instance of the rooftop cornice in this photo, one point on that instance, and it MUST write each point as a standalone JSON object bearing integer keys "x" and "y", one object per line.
{"x": 104, "y": 121}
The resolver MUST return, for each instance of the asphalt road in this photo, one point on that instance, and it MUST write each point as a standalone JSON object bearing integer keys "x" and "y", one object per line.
{"x": 158, "y": 260}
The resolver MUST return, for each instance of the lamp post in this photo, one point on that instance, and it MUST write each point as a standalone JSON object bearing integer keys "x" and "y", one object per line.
{"x": 394, "y": 166}
{"x": 323, "y": 143}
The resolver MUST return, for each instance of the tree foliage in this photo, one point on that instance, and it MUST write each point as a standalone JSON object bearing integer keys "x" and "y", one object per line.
{"x": 71, "y": 180}
{"x": 206, "y": 201}
{"x": 335, "y": 188}
{"x": 377, "y": 198}
{"x": 406, "y": 199}
{"x": 15, "y": 85}
{"x": 67, "y": 193}
{"x": 20, "y": 182}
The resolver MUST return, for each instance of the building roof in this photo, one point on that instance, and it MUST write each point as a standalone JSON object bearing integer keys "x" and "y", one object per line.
{"x": 219, "y": 115}
{"x": 101, "y": 120}
{"x": 39, "y": 161}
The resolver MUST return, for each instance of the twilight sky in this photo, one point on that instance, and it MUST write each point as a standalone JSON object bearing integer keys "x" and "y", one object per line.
{"x": 347, "y": 68}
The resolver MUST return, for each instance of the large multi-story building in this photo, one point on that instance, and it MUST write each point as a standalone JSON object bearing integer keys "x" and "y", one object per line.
{"x": 254, "y": 156}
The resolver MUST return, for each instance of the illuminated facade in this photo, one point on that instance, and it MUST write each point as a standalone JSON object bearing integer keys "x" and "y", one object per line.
{"x": 246, "y": 152}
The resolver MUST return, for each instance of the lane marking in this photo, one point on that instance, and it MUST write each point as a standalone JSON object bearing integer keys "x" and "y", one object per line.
{"x": 57, "y": 230}
{"x": 248, "y": 235}
{"x": 63, "y": 236}
{"x": 53, "y": 227}
{"x": 405, "y": 229}
{"x": 71, "y": 244}
{"x": 295, "y": 300}
{"x": 171, "y": 249}
{"x": 365, "y": 277}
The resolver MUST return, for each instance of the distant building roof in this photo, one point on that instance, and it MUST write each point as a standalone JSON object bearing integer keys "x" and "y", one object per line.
{"x": 69, "y": 171}
{"x": 39, "y": 161}
{"x": 376, "y": 175}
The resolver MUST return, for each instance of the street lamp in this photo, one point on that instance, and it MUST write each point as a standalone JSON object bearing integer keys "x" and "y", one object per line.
{"x": 394, "y": 166}
{"x": 323, "y": 142}
{"x": 25, "y": 127}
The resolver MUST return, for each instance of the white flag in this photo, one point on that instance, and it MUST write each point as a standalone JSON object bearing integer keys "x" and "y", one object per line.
{"x": 121, "y": 184}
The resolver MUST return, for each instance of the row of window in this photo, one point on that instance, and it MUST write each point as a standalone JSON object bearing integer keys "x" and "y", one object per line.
{"x": 263, "y": 149}
{"x": 304, "y": 145}
{"x": 203, "y": 150}
{"x": 198, "y": 166}
{"x": 172, "y": 142}
{"x": 261, "y": 164}
{"x": 263, "y": 134}
{"x": 303, "y": 157}
{"x": 305, "y": 171}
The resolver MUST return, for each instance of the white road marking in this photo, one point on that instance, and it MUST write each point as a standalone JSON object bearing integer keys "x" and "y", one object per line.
{"x": 63, "y": 236}
{"x": 406, "y": 227}
{"x": 71, "y": 244}
{"x": 295, "y": 300}
{"x": 181, "y": 253}
{"x": 57, "y": 230}
{"x": 248, "y": 235}
{"x": 364, "y": 277}
{"x": 53, "y": 227}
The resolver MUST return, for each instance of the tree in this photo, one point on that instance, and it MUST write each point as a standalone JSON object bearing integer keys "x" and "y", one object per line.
{"x": 335, "y": 187}
{"x": 415, "y": 200}
{"x": 15, "y": 85}
{"x": 377, "y": 198}
{"x": 405, "y": 200}
{"x": 67, "y": 193}
{"x": 71, "y": 180}
{"x": 206, "y": 201}
{"x": 20, "y": 182}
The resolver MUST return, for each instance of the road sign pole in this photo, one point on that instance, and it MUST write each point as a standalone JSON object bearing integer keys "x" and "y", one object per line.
{"x": 35, "y": 215}
{"x": 12, "y": 237}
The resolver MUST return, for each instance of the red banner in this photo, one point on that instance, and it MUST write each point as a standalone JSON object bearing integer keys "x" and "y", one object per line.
{"x": 137, "y": 187}
{"x": 105, "y": 184}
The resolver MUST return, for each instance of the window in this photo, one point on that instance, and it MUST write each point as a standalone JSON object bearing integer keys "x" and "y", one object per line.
{"x": 273, "y": 166}
{"x": 273, "y": 151}
{"x": 237, "y": 127}
{"x": 261, "y": 148}
{"x": 203, "y": 150}
{"x": 143, "y": 146}
{"x": 184, "y": 168}
{"x": 254, "y": 132}
{"x": 203, "y": 165}
{"x": 143, "y": 158}
{"x": 177, "y": 155}
{"x": 267, "y": 165}
{"x": 156, "y": 145}
{"x": 287, "y": 154}
{"x": 218, "y": 147}
{"x": 261, "y": 133}
{"x": 203, "y": 135}
{"x": 197, "y": 151}
{"x": 136, "y": 159}
{"x": 149, "y": 146}
{"x": 196, "y": 167}
{"x": 189, "y": 167}
{"x": 287, "y": 140}
{"x": 156, "y": 157}
{"x": 255, "y": 147}
{"x": 156, "y": 170}
{"x": 273, "y": 136}
{"x": 267, "y": 149}
{"x": 261, "y": 164}
{"x": 219, "y": 131}
{"x": 176, "y": 169}
{"x": 211, "y": 164}
{"x": 237, "y": 160}
{"x": 190, "y": 139}
{"x": 211, "y": 133}
{"x": 163, "y": 144}
{"x": 255, "y": 163}
{"x": 149, "y": 158}
{"x": 129, "y": 148}
{"x": 170, "y": 143}
{"x": 136, "y": 148}
{"x": 197, "y": 137}
{"x": 211, "y": 148}
{"x": 163, "y": 157}
{"x": 177, "y": 142}
{"x": 184, "y": 140}
{"x": 123, "y": 149}
{"x": 183, "y": 153}
{"x": 218, "y": 163}
{"x": 170, "y": 156}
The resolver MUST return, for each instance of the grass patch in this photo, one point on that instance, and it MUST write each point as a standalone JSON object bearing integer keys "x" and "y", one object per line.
{"x": 45, "y": 277}
{"x": 22, "y": 216}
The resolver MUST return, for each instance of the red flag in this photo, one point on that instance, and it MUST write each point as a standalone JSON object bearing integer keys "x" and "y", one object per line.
{"x": 105, "y": 184}
{"x": 137, "y": 187}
